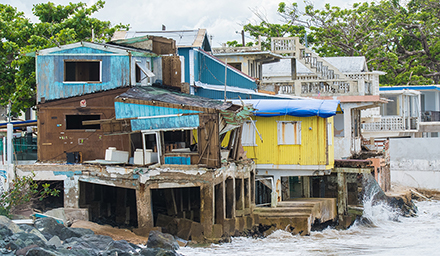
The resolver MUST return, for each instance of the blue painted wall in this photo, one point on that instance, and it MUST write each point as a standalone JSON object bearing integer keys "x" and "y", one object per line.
{"x": 208, "y": 70}
{"x": 115, "y": 71}
{"x": 130, "y": 110}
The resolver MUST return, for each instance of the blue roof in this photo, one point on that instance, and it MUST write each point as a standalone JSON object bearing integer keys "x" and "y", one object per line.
{"x": 409, "y": 87}
{"x": 300, "y": 108}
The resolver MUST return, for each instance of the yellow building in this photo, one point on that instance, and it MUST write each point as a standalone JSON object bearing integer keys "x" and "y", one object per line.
{"x": 290, "y": 141}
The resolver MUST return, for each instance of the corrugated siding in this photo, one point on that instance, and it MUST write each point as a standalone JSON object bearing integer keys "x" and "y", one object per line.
{"x": 185, "y": 53}
{"x": 115, "y": 72}
{"x": 211, "y": 71}
{"x": 312, "y": 150}
{"x": 130, "y": 110}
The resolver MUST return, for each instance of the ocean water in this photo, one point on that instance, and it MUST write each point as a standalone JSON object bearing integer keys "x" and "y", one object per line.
{"x": 388, "y": 234}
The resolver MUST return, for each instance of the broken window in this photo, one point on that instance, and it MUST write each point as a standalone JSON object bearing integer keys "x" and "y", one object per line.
{"x": 82, "y": 71}
{"x": 143, "y": 73}
{"x": 74, "y": 122}
{"x": 248, "y": 134}
{"x": 236, "y": 65}
{"x": 289, "y": 132}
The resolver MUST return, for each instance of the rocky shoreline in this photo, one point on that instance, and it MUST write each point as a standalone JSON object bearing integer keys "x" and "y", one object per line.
{"x": 47, "y": 237}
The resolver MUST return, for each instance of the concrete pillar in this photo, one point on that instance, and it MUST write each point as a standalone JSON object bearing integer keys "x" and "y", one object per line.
{"x": 144, "y": 210}
{"x": 342, "y": 195}
{"x": 207, "y": 208}
{"x": 72, "y": 192}
{"x": 306, "y": 186}
{"x": 276, "y": 191}
{"x": 230, "y": 198}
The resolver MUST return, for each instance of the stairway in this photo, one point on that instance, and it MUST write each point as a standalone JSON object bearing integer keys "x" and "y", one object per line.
{"x": 298, "y": 216}
{"x": 292, "y": 47}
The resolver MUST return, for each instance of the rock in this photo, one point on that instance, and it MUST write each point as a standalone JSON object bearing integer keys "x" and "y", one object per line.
{"x": 98, "y": 241}
{"x": 23, "y": 239}
{"x": 122, "y": 245}
{"x": 157, "y": 252}
{"x": 32, "y": 230}
{"x": 24, "y": 250}
{"x": 38, "y": 251}
{"x": 4, "y": 232}
{"x": 50, "y": 227}
{"x": 82, "y": 231}
{"x": 116, "y": 252}
{"x": 158, "y": 239}
{"x": 9, "y": 224}
{"x": 55, "y": 240}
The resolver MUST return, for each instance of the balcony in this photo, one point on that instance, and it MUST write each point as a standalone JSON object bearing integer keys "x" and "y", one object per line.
{"x": 431, "y": 116}
{"x": 392, "y": 124}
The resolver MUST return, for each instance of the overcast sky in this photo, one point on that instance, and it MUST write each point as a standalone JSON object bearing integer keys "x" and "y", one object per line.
{"x": 222, "y": 18}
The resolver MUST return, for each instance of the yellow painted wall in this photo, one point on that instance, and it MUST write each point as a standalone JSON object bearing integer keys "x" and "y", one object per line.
{"x": 312, "y": 150}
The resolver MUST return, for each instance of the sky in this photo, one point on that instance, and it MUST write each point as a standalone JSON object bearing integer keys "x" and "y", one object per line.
{"x": 223, "y": 19}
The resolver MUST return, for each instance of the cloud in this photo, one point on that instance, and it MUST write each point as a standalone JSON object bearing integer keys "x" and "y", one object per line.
{"x": 220, "y": 17}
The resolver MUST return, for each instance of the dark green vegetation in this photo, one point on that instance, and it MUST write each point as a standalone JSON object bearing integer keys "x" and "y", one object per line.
{"x": 400, "y": 39}
{"x": 58, "y": 25}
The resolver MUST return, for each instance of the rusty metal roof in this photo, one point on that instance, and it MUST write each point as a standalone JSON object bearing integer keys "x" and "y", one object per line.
{"x": 151, "y": 93}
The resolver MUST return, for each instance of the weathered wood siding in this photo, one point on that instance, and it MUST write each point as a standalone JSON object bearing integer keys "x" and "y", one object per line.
{"x": 54, "y": 139}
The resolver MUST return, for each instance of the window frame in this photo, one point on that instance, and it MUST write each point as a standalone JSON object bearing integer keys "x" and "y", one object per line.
{"x": 77, "y": 61}
{"x": 296, "y": 125}
{"x": 246, "y": 141}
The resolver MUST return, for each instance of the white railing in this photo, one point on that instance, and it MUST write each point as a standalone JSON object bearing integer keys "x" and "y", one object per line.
{"x": 335, "y": 87}
{"x": 283, "y": 45}
{"x": 387, "y": 123}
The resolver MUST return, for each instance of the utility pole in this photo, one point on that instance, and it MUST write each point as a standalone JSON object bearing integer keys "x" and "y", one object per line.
{"x": 10, "y": 130}
{"x": 242, "y": 38}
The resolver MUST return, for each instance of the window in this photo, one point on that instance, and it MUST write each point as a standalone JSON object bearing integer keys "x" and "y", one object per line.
{"x": 329, "y": 134}
{"x": 143, "y": 73}
{"x": 74, "y": 122}
{"x": 236, "y": 65}
{"x": 248, "y": 134}
{"x": 82, "y": 71}
{"x": 289, "y": 132}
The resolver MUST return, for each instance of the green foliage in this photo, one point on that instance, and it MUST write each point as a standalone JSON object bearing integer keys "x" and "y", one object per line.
{"x": 59, "y": 25}
{"x": 402, "y": 39}
{"x": 24, "y": 189}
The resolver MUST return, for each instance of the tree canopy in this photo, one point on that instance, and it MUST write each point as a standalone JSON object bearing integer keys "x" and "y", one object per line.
{"x": 58, "y": 25}
{"x": 402, "y": 39}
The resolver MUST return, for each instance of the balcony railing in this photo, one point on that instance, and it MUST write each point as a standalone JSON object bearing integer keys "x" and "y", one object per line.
{"x": 431, "y": 116}
{"x": 391, "y": 123}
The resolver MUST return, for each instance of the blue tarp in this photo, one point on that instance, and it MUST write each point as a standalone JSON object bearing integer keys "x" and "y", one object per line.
{"x": 301, "y": 108}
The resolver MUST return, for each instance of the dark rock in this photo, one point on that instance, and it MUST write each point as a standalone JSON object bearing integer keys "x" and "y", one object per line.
{"x": 121, "y": 245}
{"x": 38, "y": 251}
{"x": 82, "y": 231}
{"x": 22, "y": 240}
{"x": 98, "y": 241}
{"x": 4, "y": 231}
{"x": 50, "y": 227}
{"x": 157, "y": 252}
{"x": 157, "y": 239}
{"x": 24, "y": 250}
{"x": 6, "y": 252}
{"x": 116, "y": 252}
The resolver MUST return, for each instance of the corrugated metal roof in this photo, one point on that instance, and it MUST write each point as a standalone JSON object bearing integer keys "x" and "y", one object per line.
{"x": 150, "y": 93}
{"x": 182, "y": 37}
{"x": 344, "y": 64}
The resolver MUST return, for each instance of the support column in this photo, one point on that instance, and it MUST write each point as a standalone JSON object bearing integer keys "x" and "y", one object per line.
{"x": 342, "y": 195}
{"x": 276, "y": 191}
{"x": 306, "y": 186}
{"x": 207, "y": 208}
{"x": 144, "y": 210}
